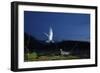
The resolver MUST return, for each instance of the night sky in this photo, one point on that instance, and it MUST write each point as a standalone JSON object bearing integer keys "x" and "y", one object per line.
{"x": 66, "y": 26}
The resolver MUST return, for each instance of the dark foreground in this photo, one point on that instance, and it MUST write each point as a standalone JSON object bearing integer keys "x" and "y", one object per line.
{"x": 36, "y": 50}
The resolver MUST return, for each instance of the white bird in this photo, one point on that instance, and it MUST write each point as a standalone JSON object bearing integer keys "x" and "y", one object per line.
{"x": 50, "y": 36}
{"x": 64, "y": 52}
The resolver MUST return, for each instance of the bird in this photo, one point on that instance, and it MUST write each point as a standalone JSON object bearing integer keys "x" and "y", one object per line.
{"x": 50, "y": 35}
{"x": 64, "y": 52}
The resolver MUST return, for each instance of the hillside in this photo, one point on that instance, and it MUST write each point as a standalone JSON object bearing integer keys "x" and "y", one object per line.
{"x": 76, "y": 48}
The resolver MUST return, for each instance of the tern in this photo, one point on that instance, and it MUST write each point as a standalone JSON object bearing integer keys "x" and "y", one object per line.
{"x": 50, "y": 36}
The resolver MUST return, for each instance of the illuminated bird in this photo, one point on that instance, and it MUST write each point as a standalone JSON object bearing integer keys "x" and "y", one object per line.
{"x": 50, "y": 36}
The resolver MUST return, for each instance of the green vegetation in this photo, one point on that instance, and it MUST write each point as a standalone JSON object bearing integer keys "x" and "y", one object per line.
{"x": 35, "y": 57}
{"x": 30, "y": 56}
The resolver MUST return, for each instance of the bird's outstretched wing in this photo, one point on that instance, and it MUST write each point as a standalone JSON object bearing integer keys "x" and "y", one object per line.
{"x": 46, "y": 34}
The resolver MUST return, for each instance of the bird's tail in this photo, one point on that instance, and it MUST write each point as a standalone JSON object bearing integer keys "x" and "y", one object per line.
{"x": 48, "y": 41}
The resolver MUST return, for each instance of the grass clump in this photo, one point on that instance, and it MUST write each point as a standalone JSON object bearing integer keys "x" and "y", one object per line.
{"x": 31, "y": 56}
